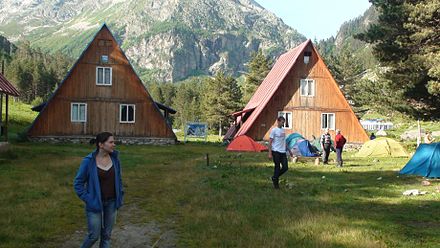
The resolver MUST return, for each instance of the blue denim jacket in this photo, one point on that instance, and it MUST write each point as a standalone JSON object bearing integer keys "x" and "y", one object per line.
{"x": 86, "y": 183}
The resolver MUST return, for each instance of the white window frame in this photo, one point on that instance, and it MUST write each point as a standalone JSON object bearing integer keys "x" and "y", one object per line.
{"x": 71, "y": 112}
{"x": 307, "y": 81}
{"x": 331, "y": 126}
{"x": 103, "y": 76}
{"x": 288, "y": 119}
{"x": 120, "y": 113}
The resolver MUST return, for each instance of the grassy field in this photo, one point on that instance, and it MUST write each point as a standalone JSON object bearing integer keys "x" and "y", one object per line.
{"x": 230, "y": 203}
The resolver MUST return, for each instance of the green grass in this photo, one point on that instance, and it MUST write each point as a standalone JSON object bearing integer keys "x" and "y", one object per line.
{"x": 20, "y": 117}
{"x": 230, "y": 203}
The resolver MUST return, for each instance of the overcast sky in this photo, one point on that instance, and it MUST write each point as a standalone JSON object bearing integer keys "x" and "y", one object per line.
{"x": 316, "y": 18}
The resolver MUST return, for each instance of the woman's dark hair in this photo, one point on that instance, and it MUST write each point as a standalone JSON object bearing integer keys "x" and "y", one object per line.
{"x": 101, "y": 138}
{"x": 280, "y": 118}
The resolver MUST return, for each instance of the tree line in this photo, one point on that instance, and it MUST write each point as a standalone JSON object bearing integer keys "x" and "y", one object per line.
{"x": 35, "y": 72}
{"x": 212, "y": 99}
{"x": 401, "y": 71}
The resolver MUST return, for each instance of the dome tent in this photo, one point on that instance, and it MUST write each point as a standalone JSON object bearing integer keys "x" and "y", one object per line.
{"x": 299, "y": 146}
{"x": 382, "y": 147}
{"x": 244, "y": 143}
{"x": 425, "y": 162}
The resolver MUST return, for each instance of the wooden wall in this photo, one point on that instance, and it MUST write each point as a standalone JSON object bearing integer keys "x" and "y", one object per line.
{"x": 102, "y": 101}
{"x": 306, "y": 111}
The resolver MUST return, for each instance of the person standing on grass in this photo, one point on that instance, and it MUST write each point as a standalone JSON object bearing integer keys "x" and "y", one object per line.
{"x": 98, "y": 183}
{"x": 277, "y": 151}
{"x": 326, "y": 144}
{"x": 340, "y": 142}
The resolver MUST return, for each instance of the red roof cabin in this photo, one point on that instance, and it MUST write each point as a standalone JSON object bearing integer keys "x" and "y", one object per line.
{"x": 300, "y": 88}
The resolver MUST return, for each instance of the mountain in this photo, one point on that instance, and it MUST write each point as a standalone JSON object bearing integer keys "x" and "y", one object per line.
{"x": 167, "y": 40}
{"x": 346, "y": 40}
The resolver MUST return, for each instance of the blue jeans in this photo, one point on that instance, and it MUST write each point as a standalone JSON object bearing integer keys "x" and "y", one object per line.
{"x": 339, "y": 156}
{"x": 100, "y": 224}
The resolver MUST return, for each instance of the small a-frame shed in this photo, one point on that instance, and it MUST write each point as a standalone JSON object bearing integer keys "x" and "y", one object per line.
{"x": 6, "y": 90}
{"x": 102, "y": 92}
{"x": 300, "y": 88}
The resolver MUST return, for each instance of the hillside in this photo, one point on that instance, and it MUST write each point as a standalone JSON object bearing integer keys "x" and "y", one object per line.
{"x": 168, "y": 40}
{"x": 345, "y": 40}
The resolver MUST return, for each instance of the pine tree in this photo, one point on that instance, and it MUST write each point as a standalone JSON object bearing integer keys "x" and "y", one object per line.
{"x": 187, "y": 103}
{"x": 168, "y": 93}
{"x": 221, "y": 97}
{"x": 258, "y": 68}
{"x": 155, "y": 92}
{"x": 405, "y": 41}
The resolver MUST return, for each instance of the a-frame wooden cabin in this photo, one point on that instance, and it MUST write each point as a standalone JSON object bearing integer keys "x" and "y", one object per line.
{"x": 102, "y": 92}
{"x": 300, "y": 88}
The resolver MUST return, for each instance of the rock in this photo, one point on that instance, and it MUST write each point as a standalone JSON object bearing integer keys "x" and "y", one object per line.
{"x": 414, "y": 192}
{"x": 426, "y": 183}
{"x": 168, "y": 40}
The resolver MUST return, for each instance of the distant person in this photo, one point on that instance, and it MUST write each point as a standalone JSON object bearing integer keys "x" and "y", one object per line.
{"x": 326, "y": 145}
{"x": 372, "y": 136}
{"x": 98, "y": 183}
{"x": 428, "y": 137}
{"x": 277, "y": 151}
{"x": 340, "y": 142}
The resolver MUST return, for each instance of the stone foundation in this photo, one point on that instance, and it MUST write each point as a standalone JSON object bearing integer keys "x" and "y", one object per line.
{"x": 119, "y": 140}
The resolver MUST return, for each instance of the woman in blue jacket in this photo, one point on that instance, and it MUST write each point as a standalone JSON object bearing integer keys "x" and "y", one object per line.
{"x": 98, "y": 183}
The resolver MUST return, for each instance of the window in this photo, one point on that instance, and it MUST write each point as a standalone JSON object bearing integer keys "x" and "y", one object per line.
{"x": 103, "y": 76}
{"x": 307, "y": 56}
{"x": 307, "y": 87}
{"x": 127, "y": 113}
{"x": 328, "y": 121}
{"x": 288, "y": 117}
{"x": 78, "y": 112}
{"x": 104, "y": 59}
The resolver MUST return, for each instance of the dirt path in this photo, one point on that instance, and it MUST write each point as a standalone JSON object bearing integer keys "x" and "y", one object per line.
{"x": 127, "y": 234}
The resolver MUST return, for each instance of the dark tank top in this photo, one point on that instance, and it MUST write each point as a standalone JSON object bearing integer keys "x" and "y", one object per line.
{"x": 107, "y": 183}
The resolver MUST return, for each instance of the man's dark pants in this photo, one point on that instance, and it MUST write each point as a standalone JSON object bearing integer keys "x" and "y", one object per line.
{"x": 326, "y": 153}
{"x": 279, "y": 159}
{"x": 339, "y": 156}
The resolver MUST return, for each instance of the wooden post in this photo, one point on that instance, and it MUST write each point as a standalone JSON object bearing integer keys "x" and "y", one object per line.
{"x": 1, "y": 102}
{"x": 207, "y": 159}
{"x": 220, "y": 130}
{"x": 6, "y": 118}
{"x": 1, "y": 112}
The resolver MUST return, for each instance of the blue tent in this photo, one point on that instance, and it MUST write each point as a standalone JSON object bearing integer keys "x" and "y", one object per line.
{"x": 292, "y": 139}
{"x": 425, "y": 162}
{"x": 303, "y": 148}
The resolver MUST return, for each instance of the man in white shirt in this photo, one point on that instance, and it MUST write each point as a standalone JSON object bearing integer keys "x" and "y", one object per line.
{"x": 277, "y": 151}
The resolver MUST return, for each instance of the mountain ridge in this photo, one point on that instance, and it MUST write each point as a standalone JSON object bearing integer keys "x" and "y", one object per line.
{"x": 166, "y": 41}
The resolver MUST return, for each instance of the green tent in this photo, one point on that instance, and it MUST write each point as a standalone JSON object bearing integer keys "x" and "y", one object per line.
{"x": 382, "y": 147}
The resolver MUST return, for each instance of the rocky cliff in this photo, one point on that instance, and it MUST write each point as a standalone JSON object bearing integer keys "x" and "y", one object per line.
{"x": 166, "y": 40}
